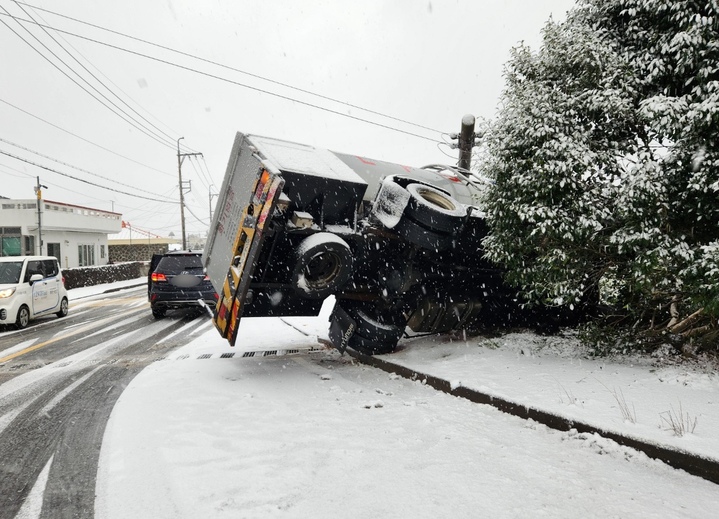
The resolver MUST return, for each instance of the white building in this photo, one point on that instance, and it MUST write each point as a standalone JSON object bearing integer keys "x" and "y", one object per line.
{"x": 75, "y": 235}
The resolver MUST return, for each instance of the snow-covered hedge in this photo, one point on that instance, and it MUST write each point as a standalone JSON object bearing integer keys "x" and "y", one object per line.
{"x": 606, "y": 161}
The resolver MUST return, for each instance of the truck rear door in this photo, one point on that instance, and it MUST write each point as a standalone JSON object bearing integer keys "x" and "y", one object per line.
{"x": 247, "y": 200}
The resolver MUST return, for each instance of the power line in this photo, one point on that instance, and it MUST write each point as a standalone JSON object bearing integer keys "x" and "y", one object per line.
{"x": 230, "y": 81}
{"x": 132, "y": 212}
{"x": 84, "y": 139}
{"x": 199, "y": 220}
{"x": 256, "y": 76}
{"x": 123, "y": 115}
{"x": 207, "y": 169}
{"x": 82, "y": 180}
{"x": 94, "y": 76}
{"x": 71, "y": 166}
{"x": 199, "y": 171}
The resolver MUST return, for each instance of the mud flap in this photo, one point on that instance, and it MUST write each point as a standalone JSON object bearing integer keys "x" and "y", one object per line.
{"x": 342, "y": 328}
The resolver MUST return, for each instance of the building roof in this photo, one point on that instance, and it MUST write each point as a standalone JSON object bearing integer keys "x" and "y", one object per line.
{"x": 133, "y": 235}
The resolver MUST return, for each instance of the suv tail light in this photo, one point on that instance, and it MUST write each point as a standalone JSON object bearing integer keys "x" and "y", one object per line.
{"x": 158, "y": 276}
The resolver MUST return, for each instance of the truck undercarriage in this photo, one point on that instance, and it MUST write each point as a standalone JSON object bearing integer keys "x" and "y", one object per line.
{"x": 398, "y": 247}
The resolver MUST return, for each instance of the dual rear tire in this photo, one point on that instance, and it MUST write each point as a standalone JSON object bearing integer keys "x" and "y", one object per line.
{"x": 431, "y": 218}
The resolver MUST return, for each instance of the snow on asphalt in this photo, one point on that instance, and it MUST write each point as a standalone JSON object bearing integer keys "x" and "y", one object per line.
{"x": 317, "y": 435}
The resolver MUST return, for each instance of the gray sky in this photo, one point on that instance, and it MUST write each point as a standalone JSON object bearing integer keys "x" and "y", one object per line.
{"x": 419, "y": 61}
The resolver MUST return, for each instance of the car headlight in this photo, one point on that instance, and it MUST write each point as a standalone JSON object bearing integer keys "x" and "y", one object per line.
{"x": 7, "y": 292}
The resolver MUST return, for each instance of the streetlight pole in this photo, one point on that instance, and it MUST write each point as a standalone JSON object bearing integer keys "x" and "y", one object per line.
{"x": 180, "y": 158}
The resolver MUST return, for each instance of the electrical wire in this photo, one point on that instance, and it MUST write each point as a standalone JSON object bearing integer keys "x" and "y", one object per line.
{"x": 84, "y": 139}
{"x": 207, "y": 169}
{"x": 117, "y": 110}
{"x": 82, "y": 180}
{"x": 204, "y": 180}
{"x": 229, "y": 81}
{"x": 71, "y": 166}
{"x": 439, "y": 144}
{"x": 170, "y": 137}
{"x": 204, "y": 221}
{"x": 228, "y": 67}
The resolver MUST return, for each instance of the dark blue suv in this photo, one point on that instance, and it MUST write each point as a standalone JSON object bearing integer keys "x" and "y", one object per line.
{"x": 177, "y": 280}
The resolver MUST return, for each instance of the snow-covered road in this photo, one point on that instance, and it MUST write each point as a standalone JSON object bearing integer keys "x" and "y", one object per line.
{"x": 206, "y": 434}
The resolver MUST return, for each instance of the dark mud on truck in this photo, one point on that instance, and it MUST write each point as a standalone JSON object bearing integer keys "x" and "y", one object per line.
{"x": 398, "y": 247}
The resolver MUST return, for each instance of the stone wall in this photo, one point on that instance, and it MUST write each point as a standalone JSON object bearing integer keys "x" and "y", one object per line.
{"x": 135, "y": 252}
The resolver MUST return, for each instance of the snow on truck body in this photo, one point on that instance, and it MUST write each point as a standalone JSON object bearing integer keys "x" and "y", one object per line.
{"x": 397, "y": 246}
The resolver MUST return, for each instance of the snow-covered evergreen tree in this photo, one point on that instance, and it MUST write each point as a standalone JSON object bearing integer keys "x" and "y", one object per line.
{"x": 606, "y": 161}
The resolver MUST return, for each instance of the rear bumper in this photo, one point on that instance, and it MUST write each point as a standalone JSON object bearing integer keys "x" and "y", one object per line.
{"x": 180, "y": 303}
{"x": 176, "y": 299}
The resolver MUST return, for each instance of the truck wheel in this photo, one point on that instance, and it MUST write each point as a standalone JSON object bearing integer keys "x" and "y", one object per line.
{"x": 323, "y": 264}
{"x": 369, "y": 347}
{"x": 419, "y": 235}
{"x": 434, "y": 209}
{"x": 380, "y": 329}
{"x": 23, "y": 317}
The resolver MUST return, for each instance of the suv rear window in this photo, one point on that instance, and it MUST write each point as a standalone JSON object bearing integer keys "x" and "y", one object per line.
{"x": 178, "y": 264}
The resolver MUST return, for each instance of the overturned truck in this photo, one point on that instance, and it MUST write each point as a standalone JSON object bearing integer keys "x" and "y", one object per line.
{"x": 398, "y": 247}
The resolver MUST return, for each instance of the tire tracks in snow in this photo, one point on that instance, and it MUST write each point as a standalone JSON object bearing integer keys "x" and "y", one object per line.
{"x": 62, "y": 415}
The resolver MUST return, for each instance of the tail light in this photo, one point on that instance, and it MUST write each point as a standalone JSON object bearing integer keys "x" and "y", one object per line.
{"x": 158, "y": 276}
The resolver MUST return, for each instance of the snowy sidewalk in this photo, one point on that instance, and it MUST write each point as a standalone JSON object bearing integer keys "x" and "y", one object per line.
{"x": 651, "y": 399}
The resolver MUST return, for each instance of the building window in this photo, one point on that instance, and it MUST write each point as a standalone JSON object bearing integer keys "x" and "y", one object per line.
{"x": 10, "y": 246}
{"x": 53, "y": 249}
{"x": 102, "y": 252}
{"x": 29, "y": 245}
{"x": 86, "y": 255}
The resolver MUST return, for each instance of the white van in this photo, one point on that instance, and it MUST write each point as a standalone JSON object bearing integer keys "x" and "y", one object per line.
{"x": 30, "y": 286}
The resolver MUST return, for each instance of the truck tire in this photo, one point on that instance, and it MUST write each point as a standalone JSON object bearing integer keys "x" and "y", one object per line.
{"x": 323, "y": 264}
{"x": 421, "y": 236}
{"x": 369, "y": 347}
{"x": 378, "y": 329}
{"x": 434, "y": 209}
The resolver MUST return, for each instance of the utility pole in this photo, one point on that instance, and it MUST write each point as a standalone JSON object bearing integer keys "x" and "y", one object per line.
{"x": 466, "y": 142}
{"x": 180, "y": 158}
{"x": 211, "y": 194}
{"x": 38, "y": 193}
